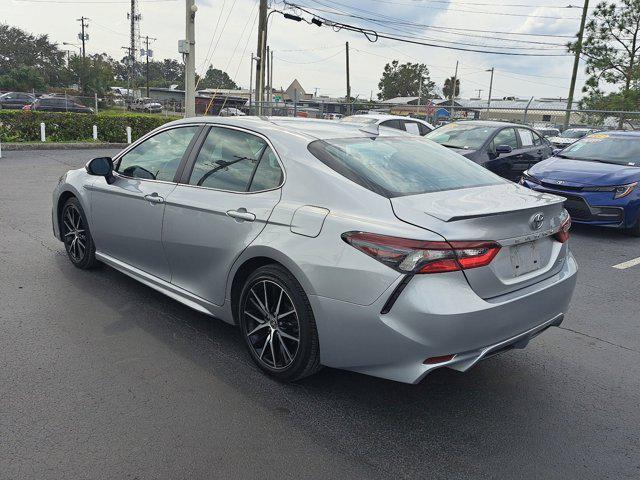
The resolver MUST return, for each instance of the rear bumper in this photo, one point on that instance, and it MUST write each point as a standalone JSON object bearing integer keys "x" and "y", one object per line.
{"x": 437, "y": 315}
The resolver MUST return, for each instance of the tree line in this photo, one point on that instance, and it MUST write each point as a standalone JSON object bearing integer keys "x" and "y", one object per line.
{"x": 34, "y": 63}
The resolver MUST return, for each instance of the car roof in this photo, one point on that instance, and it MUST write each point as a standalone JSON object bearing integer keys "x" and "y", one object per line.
{"x": 491, "y": 123}
{"x": 311, "y": 128}
{"x": 383, "y": 116}
{"x": 621, "y": 133}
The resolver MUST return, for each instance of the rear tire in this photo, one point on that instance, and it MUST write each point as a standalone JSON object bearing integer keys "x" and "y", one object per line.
{"x": 76, "y": 236}
{"x": 277, "y": 324}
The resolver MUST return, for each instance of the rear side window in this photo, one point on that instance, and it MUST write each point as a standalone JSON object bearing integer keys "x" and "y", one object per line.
{"x": 526, "y": 137}
{"x": 268, "y": 174}
{"x": 395, "y": 167}
{"x": 236, "y": 161}
{"x": 412, "y": 127}
{"x": 393, "y": 124}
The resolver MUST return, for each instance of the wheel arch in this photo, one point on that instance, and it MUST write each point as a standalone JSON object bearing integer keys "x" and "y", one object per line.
{"x": 254, "y": 258}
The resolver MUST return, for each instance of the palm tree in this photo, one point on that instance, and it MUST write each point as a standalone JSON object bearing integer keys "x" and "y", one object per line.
{"x": 448, "y": 87}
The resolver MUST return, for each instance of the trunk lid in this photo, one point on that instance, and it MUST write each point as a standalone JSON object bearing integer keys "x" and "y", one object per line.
{"x": 502, "y": 213}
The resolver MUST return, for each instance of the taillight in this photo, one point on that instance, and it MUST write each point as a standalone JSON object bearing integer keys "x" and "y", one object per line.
{"x": 417, "y": 256}
{"x": 563, "y": 234}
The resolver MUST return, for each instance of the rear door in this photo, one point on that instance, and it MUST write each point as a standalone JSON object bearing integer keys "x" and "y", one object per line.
{"x": 224, "y": 200}
{"x": 531, "y": 154}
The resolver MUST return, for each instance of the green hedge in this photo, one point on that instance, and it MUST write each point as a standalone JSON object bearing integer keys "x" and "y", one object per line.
{"x": 24, "y": 126}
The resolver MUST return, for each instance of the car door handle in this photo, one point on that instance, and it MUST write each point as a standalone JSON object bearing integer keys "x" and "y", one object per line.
{"x": 154, "y": 198}
{"x": 241, "y": 214}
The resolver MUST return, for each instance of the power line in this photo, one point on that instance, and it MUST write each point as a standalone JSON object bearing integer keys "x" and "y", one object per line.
{"x": 373, "y": 36}
{"x": 313, "y": 61}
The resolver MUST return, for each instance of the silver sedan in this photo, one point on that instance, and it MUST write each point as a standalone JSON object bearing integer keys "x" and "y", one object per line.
{"x": 350, "y": 246}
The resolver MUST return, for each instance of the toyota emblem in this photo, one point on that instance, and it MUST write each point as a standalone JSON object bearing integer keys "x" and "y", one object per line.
{"x": 536, "y": 221}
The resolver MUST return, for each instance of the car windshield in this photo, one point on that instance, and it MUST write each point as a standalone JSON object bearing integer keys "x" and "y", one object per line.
{"x": 461, "y": 135}
{"x": 574, "y": 133}
{"x": 624, "y": 150}
{"x": 399, "y": 166}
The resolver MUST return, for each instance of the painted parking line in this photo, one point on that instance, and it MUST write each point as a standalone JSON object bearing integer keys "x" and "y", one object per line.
{"x": 628, "y": 264}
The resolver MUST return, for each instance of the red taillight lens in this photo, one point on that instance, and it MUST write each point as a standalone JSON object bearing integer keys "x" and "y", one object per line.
{"x": 563, "y": 235}
{"x": 417, "y": 256}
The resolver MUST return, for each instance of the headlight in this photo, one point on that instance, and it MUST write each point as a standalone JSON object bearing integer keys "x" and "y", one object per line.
{"x": 619, "y": 191}
{"x": 624, "y": 190}
{"x": 528, "y": 177}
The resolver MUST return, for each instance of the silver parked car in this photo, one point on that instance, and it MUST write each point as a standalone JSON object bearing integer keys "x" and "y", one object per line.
{"x": 328, "y": 243}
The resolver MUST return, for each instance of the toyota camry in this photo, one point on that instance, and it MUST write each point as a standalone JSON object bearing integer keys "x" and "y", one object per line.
{"x": 350, "y": 246}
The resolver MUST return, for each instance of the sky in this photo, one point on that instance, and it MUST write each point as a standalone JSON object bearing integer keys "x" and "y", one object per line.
{"x": 226, "y": 35}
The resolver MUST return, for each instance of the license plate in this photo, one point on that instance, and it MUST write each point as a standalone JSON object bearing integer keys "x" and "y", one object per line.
{"x": 525, "y": 258}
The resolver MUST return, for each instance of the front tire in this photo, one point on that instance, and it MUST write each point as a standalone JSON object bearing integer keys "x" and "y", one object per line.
{"x": 277, "y": 324}
{"x": 76, "y": 236}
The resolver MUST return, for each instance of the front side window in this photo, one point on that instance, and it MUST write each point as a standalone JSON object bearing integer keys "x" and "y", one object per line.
{"x": 235, "y": 161}
{"x": 399, "y": 166}
{"x": 506, "y": 137}
{"x": 158, "y": 157}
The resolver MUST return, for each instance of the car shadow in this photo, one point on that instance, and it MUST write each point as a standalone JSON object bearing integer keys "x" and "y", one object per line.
{"x": 347, "y": 413}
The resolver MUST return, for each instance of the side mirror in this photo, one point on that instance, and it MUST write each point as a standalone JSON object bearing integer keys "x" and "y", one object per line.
{"x": 556, "y": 151}
{"x": 101, "y": 167}
{"x": 503, "y": 149}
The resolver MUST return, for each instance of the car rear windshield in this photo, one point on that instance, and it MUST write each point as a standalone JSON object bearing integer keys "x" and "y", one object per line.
{"x": 399, "y": 166}
{"x": 462, "y": 135}
{"x": 624, "y": 150}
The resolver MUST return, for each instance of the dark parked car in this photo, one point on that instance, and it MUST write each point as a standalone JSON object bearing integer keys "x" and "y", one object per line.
{"x": 506, "y": 149}
{"x": 57, "y": 104}
{"x": 16, "y": 99}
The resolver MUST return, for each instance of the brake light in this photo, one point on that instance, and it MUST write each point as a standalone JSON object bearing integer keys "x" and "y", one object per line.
{"x": 418, "y": 256}
{"x": 563, "y": 234}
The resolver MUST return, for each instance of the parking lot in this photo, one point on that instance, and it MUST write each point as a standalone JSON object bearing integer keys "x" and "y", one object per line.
{"x": 102, "y": 377}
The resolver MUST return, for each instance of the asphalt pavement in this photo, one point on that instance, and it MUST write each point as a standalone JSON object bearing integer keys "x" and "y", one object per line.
{"x": 103, "y": 378}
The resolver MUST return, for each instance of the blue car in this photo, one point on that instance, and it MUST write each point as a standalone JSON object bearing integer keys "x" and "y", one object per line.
{"x": 599, "y": 177}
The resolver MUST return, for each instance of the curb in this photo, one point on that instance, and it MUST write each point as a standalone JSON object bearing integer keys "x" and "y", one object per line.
{"x": 12, "y": 147}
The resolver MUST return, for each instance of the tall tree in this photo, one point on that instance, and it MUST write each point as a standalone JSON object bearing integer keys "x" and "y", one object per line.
{"x": 610, "y": 48}
{"x": 215, "y": 78}
{"x": 98, "y": 72}
{"x": 21, "y": 49}
{"x": 405, "y": 80}
{"x": 447, "y": 88}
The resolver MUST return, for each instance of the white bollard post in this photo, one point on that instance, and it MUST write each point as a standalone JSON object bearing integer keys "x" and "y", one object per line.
{"x": 128, "y": 134}
{"x": 43, "y": 135}
{"x": 95, "y": 132}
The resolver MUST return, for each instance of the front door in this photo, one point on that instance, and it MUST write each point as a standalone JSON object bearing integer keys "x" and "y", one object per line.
{"x": 223, "y": 205}
{"x": 507, "y": 165}
{"x": 127, "y": 215}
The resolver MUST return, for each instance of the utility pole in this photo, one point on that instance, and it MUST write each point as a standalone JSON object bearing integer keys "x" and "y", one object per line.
{"x": 348, "y": 98}
{"x": 128, "y": 50}
{"x": 190, "y": 60}
{"x": 134, "y": 19}
{"x": 261, "y": 54}
{"x": 83, "y": 37}
{"x": 479, "y": 90}
{"x": 453, "y": 89}
{"x": 267, "y": 69}
{"x": 576, "y": 62}
{"x": 271, "y": 76}
{"x": 490, "y": 88}
{"x": 148, "y": 53}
